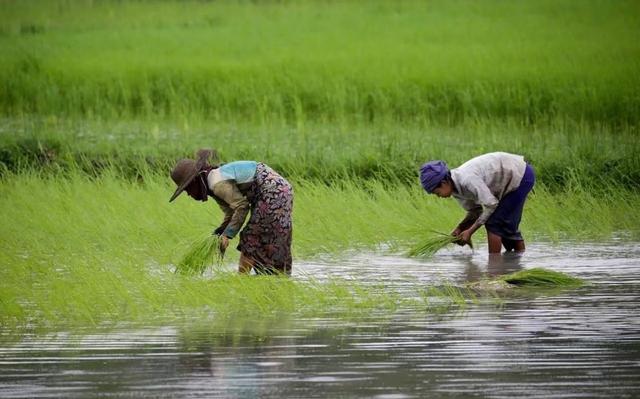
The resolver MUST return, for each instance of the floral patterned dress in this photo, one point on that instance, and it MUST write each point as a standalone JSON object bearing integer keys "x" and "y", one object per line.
{"x": 266, "y": 238}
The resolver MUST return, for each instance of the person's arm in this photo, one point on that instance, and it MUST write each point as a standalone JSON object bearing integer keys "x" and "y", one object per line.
{"x": 237, "y": 203}
{"x": 473, "y": 213}
{"x": 228, "y": 213}
{"x": 487, "y": 201}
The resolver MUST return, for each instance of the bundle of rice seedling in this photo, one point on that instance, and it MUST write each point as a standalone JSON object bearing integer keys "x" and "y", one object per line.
{"x": 539, "y": 277}
{"x": 433, "y": 244}
{"x": 201, "y": 254}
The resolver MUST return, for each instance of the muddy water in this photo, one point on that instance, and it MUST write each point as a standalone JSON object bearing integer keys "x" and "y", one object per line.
{"x": 580, "y": 343}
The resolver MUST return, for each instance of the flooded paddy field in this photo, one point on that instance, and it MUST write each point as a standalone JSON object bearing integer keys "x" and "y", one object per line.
{"x": 582, "y": 342}
{"x": 98, "y": 100}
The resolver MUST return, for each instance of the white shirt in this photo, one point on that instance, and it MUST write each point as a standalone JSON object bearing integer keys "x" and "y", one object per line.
{"x": 484, "y": 180}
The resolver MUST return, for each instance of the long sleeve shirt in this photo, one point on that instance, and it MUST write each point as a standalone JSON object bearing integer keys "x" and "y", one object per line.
{"x": 230, "y": 184}
{"x": 483, "y": 181}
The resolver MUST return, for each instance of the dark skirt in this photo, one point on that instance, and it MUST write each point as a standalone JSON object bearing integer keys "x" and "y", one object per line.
{"x": 266, "y": 238}
{"x": 505, "y": 220}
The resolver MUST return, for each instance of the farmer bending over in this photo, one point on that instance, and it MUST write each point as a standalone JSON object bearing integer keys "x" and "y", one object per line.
{"x": 492, "y": 188}
{"x": 240, "y": 187}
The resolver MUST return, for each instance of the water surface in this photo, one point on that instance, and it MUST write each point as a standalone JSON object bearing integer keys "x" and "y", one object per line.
{"x": 576, "y": 343}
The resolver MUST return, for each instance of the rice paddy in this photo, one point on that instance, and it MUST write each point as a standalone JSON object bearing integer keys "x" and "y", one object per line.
{"x": 559, "y": 339}
{"x": 298, "y": 61}
{"x": 344, "y": 99}
{"x": 100, "y": 251}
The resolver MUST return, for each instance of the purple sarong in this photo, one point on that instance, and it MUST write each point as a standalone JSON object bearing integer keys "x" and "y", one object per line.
{"x": 505, "y": 220}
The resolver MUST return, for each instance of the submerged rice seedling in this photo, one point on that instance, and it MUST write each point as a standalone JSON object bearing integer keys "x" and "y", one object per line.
{"x": 443, "y": 298}
{"x": 201, "y": 254}
{"x": 540, "y": 277}
{"x": 433, "y": 244}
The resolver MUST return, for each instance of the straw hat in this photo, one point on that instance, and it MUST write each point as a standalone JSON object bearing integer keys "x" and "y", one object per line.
{"x": 187, "y": 169}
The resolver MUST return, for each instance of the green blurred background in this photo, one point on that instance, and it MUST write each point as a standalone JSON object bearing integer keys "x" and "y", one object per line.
{"x": 323, "y": 89}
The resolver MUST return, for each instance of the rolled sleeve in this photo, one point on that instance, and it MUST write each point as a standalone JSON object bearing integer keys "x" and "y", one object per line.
{"x": 228, "y": 213}
{"x": 486, "y": 200}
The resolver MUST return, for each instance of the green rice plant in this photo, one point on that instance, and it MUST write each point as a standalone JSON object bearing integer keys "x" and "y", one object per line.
{"x": 429, "y": 246}
{"x": 202, "y": 253}
{"x": 299, "y": 61}
{"x": 564, "y": 155}
{"x": 98, "y": 252}
{"x": 541, "y": 278}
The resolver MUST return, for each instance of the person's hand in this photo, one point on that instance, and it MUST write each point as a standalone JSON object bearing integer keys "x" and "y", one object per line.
{"x": 456, "y": 233}
{"x": 465, "y": 236}
{"x": 218, "y": 231}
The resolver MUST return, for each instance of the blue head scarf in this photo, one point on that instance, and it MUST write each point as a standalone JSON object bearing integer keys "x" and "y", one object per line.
{"x": 431, "y": 174}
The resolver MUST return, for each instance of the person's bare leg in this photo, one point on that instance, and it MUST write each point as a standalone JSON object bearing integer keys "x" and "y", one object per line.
{"x": 495, "y": 243}
{"x": 245, "y": 265}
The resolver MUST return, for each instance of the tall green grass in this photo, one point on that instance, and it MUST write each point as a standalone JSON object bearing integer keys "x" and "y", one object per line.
{"x": 561, "y": 154}
{"x": 79, "y": 249}
{"x": 300, "y": 61}
{"x": 344, "y": 98}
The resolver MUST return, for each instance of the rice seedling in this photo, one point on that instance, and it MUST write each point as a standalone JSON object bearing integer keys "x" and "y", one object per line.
{"x": 68, "y": 262}
{"x": 202, "y": 253}
{"x": 431, "y": 245}
{"x": 541, "y": 278}
{"x": 536, "y": 278}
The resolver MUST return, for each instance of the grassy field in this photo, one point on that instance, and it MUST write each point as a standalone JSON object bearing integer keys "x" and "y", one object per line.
{"x": 98, "y": 99}
{"x": 331, "y": 61}
{"x": 323, "y": 89}
{"x": 84, "y": 250}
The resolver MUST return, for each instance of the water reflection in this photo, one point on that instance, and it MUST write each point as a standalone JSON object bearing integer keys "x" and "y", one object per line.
{"x": 235, "y": 362}
{"x": 508, "y": 262}
{"x": 495, "y": 265}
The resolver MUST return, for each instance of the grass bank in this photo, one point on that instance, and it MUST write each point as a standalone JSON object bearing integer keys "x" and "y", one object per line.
{"x": 298, "y": 61}
{"x": 78, "y": 249}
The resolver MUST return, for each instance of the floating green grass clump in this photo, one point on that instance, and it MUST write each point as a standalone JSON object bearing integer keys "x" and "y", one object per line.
{"x": 540, "y": 277}
{"x": 536, "y": 278}
{"x": 202, "y": 253}
{"x": 431, "y": 245}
